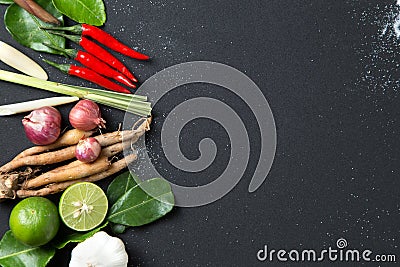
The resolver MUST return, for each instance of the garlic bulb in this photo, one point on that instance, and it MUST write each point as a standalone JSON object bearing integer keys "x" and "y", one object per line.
{"x": 98, "y": 251}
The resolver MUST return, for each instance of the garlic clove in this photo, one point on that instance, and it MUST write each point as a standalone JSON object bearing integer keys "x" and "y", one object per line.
{"x": 100, "y": 250}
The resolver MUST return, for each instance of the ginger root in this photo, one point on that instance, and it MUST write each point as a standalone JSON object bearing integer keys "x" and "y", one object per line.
{"x": 17, "y": 183}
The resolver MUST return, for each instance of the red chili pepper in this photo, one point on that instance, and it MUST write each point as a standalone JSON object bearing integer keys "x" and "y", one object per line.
{"x": 106, "y": 56}
{"x": 100, "y": 53}
{"x": 103, "y": 38}
{"x": 92, "y": 62}
{"x": 109, "y": 41}
{"x": 88, "y": 75}
{"x": 100, "y": 67}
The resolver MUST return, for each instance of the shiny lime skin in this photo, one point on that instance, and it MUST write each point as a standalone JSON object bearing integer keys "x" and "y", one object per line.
{"x": 34, "y": 221}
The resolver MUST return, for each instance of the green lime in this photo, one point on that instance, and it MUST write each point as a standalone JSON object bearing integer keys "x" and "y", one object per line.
{"x": 83, "y": 206}
{"x": 34, "y": 221}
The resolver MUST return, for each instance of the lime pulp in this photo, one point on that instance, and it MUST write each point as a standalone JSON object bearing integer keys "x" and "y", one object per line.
{"x": 83, "y": 206}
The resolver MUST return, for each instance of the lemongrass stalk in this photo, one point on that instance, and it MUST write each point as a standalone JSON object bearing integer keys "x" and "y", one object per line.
{"x": 16, "y": 59}
{"x": 130, "y": 103}
{"x": 21, "y": 107}
{"x": 141, "y": 112}
{"x": 116, "y": 103}
{"x": 115, "y": 94}
{"x": 72, "y": 90}
{"x": 9, "y": 76}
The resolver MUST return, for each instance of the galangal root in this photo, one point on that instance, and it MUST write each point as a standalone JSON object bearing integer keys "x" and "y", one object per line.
{"x": 17, "y": 183}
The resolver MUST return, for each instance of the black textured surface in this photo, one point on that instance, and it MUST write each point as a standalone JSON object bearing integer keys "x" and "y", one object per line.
{"x": 336, "y": 171}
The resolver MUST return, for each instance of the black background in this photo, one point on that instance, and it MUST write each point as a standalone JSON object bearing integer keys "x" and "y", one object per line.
{"x": 336, "y": 170}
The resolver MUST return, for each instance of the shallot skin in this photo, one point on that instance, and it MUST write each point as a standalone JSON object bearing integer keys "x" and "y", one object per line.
{"x": 86, "y": 116}
{"x": 43, "y": 126}
{"x": 87, "y": 150}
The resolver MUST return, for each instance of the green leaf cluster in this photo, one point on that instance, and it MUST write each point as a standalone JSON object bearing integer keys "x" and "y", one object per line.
{"x": 136, "y": 203}
{"x": 15, "y": 254}
{"x": 26, "y": 28}
{"x": 83, "y": 11}
{"x": 133, "y": 203}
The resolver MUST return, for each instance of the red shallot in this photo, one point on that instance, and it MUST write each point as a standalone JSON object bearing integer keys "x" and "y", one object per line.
{"x": 42, "y": 126}
{"x": 86, "y": 116}
{"x": 87, "y": 150}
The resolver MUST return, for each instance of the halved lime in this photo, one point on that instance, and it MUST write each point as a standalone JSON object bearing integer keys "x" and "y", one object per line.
{"x": 83, "y": 206}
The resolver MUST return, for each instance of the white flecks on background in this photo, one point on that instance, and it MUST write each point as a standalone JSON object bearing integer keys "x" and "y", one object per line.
{"x": 159, "y": 3}
{"x": 379, "y": 52}
{"x": 396, "y": 26}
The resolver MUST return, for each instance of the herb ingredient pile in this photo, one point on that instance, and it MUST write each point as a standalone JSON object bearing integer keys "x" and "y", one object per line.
{"x": 71, "y": 161}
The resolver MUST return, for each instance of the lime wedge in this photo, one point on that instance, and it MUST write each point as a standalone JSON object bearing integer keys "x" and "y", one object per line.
{"x": 83, "y": 206}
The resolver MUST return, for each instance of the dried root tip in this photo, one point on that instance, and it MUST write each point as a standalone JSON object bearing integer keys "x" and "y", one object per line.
{"x": 119, "y": 136}
{"x": 9, "y": 182}
{"x": 144, "y": 124}
{"x": 138, "y": 129}
{"x": 8, "y": 185}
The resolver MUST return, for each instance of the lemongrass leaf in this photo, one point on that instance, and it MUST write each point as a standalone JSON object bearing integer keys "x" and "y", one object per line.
{"x": 126, "y": 102}
{"x": 16, "y": 108}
